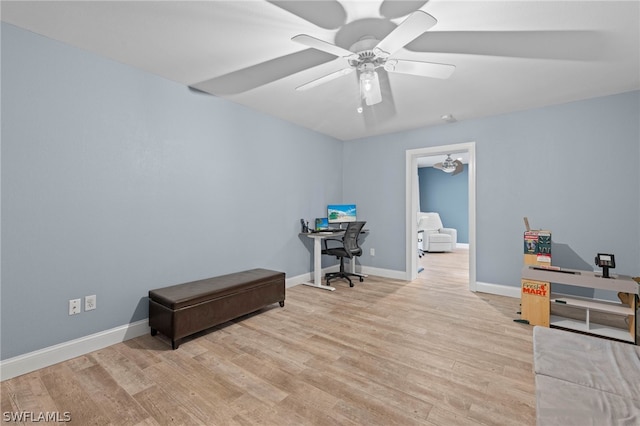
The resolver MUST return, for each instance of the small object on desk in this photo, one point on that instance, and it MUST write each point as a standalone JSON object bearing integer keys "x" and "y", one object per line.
{"x": 605, "y": 261}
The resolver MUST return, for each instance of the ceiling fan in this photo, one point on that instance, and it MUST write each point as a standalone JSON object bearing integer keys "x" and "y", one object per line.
{"x": 368, "y": 54}
{"x": 449, "y": 165}
{"x": 376, "y": 45}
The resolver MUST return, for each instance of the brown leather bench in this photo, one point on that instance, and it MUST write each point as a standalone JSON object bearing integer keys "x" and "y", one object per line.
{"x": 181, "y": 310}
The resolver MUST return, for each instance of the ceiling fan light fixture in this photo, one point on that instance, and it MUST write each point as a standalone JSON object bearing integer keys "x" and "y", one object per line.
{"x": 370, "y": 86}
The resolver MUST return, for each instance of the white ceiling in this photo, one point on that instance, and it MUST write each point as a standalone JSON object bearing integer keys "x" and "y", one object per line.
{"x": 509, "y": 55}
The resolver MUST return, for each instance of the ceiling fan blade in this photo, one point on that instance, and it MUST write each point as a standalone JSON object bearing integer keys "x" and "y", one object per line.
{"x": 553, "y": 44}
{"x": 438, "y": 166}
{"x": 392, "y": 9}
{"x": 328, "y": 14}
{"x": 416, "y": 24}
{"x": 459, "y": 167}
{"x": 322, "y": 45}
{"x": 325, "y": 79}
{"x": 263, "y": 73}
{"x": 422, "y": 69}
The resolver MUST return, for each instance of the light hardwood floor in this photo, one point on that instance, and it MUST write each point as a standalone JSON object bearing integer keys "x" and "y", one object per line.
{"x": 384, "y": 352}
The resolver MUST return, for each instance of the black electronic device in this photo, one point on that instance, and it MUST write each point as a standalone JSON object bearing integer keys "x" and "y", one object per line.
{"x": 305, "y": 226}
{"x": 606, "y": 262}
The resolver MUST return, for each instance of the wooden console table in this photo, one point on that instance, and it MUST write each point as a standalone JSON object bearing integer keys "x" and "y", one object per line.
{"x": 537, "y": 297}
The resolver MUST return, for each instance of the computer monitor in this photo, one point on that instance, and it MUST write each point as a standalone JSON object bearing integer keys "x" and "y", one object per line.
{"x": 322, "y": 223}
{"x": 340, "y": 213}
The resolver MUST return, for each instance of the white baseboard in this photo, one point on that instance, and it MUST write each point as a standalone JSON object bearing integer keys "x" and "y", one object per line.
{"x": 482, "y": 287}
{"x": 293, "y": 281}
{"x": 385, "y": 273}
{"x": 41, "y": 358}
{"x": 498, "y": 289}
{"x": 305, "y": 278}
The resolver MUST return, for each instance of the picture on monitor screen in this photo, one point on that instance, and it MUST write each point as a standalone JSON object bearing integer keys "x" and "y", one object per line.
{"x": 321, "y": 223}
{"x": 338, "y": 213}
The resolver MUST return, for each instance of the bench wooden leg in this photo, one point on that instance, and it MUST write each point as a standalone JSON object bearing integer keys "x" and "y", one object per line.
{"x": 282, "y": 303}
{"x": 154, "y": 331}
{"x": 175, "y": 343}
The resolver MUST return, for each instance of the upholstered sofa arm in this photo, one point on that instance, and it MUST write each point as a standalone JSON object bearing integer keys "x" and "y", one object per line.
{"x": 451, "y": 231}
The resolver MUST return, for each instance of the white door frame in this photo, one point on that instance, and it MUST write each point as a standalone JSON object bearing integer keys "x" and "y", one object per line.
{"x": 411, "y": 184}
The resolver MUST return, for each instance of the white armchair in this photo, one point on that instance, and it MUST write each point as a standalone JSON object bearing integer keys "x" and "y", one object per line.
{"x": 433, "y": 236}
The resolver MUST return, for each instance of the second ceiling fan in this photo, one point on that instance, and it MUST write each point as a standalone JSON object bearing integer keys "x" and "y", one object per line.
{"x": 449, "y": 165}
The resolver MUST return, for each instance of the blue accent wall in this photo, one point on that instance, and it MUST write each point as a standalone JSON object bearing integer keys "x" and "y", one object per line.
{"x": 448, "y": 196}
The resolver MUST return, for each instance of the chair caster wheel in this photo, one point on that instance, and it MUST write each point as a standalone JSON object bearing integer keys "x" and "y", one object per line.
{"x": 350, "y": 284}
{"x": 361, "y": 279}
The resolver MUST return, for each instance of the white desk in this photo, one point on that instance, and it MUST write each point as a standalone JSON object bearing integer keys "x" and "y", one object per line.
{"x": 317, "y": 258}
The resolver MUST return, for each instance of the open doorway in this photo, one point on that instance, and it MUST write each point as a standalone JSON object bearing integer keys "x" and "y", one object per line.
{"x": 411, "y": 198}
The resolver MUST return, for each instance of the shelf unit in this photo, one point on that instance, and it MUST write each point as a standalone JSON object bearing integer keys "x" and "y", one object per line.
{"x": 539, "y": 304}
{"x": 587, "y": 325}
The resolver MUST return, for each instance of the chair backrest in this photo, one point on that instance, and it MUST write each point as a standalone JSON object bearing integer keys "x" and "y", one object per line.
{"x": 350, "y": 238}
{"x": 429, "y": 221}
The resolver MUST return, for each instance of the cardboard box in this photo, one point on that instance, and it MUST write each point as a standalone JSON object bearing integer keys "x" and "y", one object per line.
{"x": 535, "y": 302}
{"x": 537, "y": 247}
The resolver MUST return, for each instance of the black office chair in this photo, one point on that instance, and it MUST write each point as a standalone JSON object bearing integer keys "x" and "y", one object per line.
{"x": 348, "y": 248}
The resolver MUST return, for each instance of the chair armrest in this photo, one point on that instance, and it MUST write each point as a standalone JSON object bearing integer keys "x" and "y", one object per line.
{"x": 326, "y": 240}
{"x": 450, "y": 231}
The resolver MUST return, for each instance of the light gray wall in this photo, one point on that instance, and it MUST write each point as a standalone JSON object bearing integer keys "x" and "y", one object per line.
{"x": 570, "y": 168}
{"x": 115, "y": 182}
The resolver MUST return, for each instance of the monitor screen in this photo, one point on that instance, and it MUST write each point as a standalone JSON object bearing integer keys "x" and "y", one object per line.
{"x": 321, "y": 223}
{"x": 339, "y": 213}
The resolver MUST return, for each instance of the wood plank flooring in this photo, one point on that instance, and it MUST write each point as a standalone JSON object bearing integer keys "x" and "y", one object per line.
{"x": 384, "y": 352}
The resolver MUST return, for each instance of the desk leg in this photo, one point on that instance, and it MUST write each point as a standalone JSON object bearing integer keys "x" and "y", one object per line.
{"x": 352, "y": 261}
{"x": 317, "y": 267}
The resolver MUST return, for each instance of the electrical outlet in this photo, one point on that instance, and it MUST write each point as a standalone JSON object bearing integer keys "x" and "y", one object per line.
{"x": 74, "y": 306}
{"x": 372, "y": 251}
{"x": 89, "y": 302}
